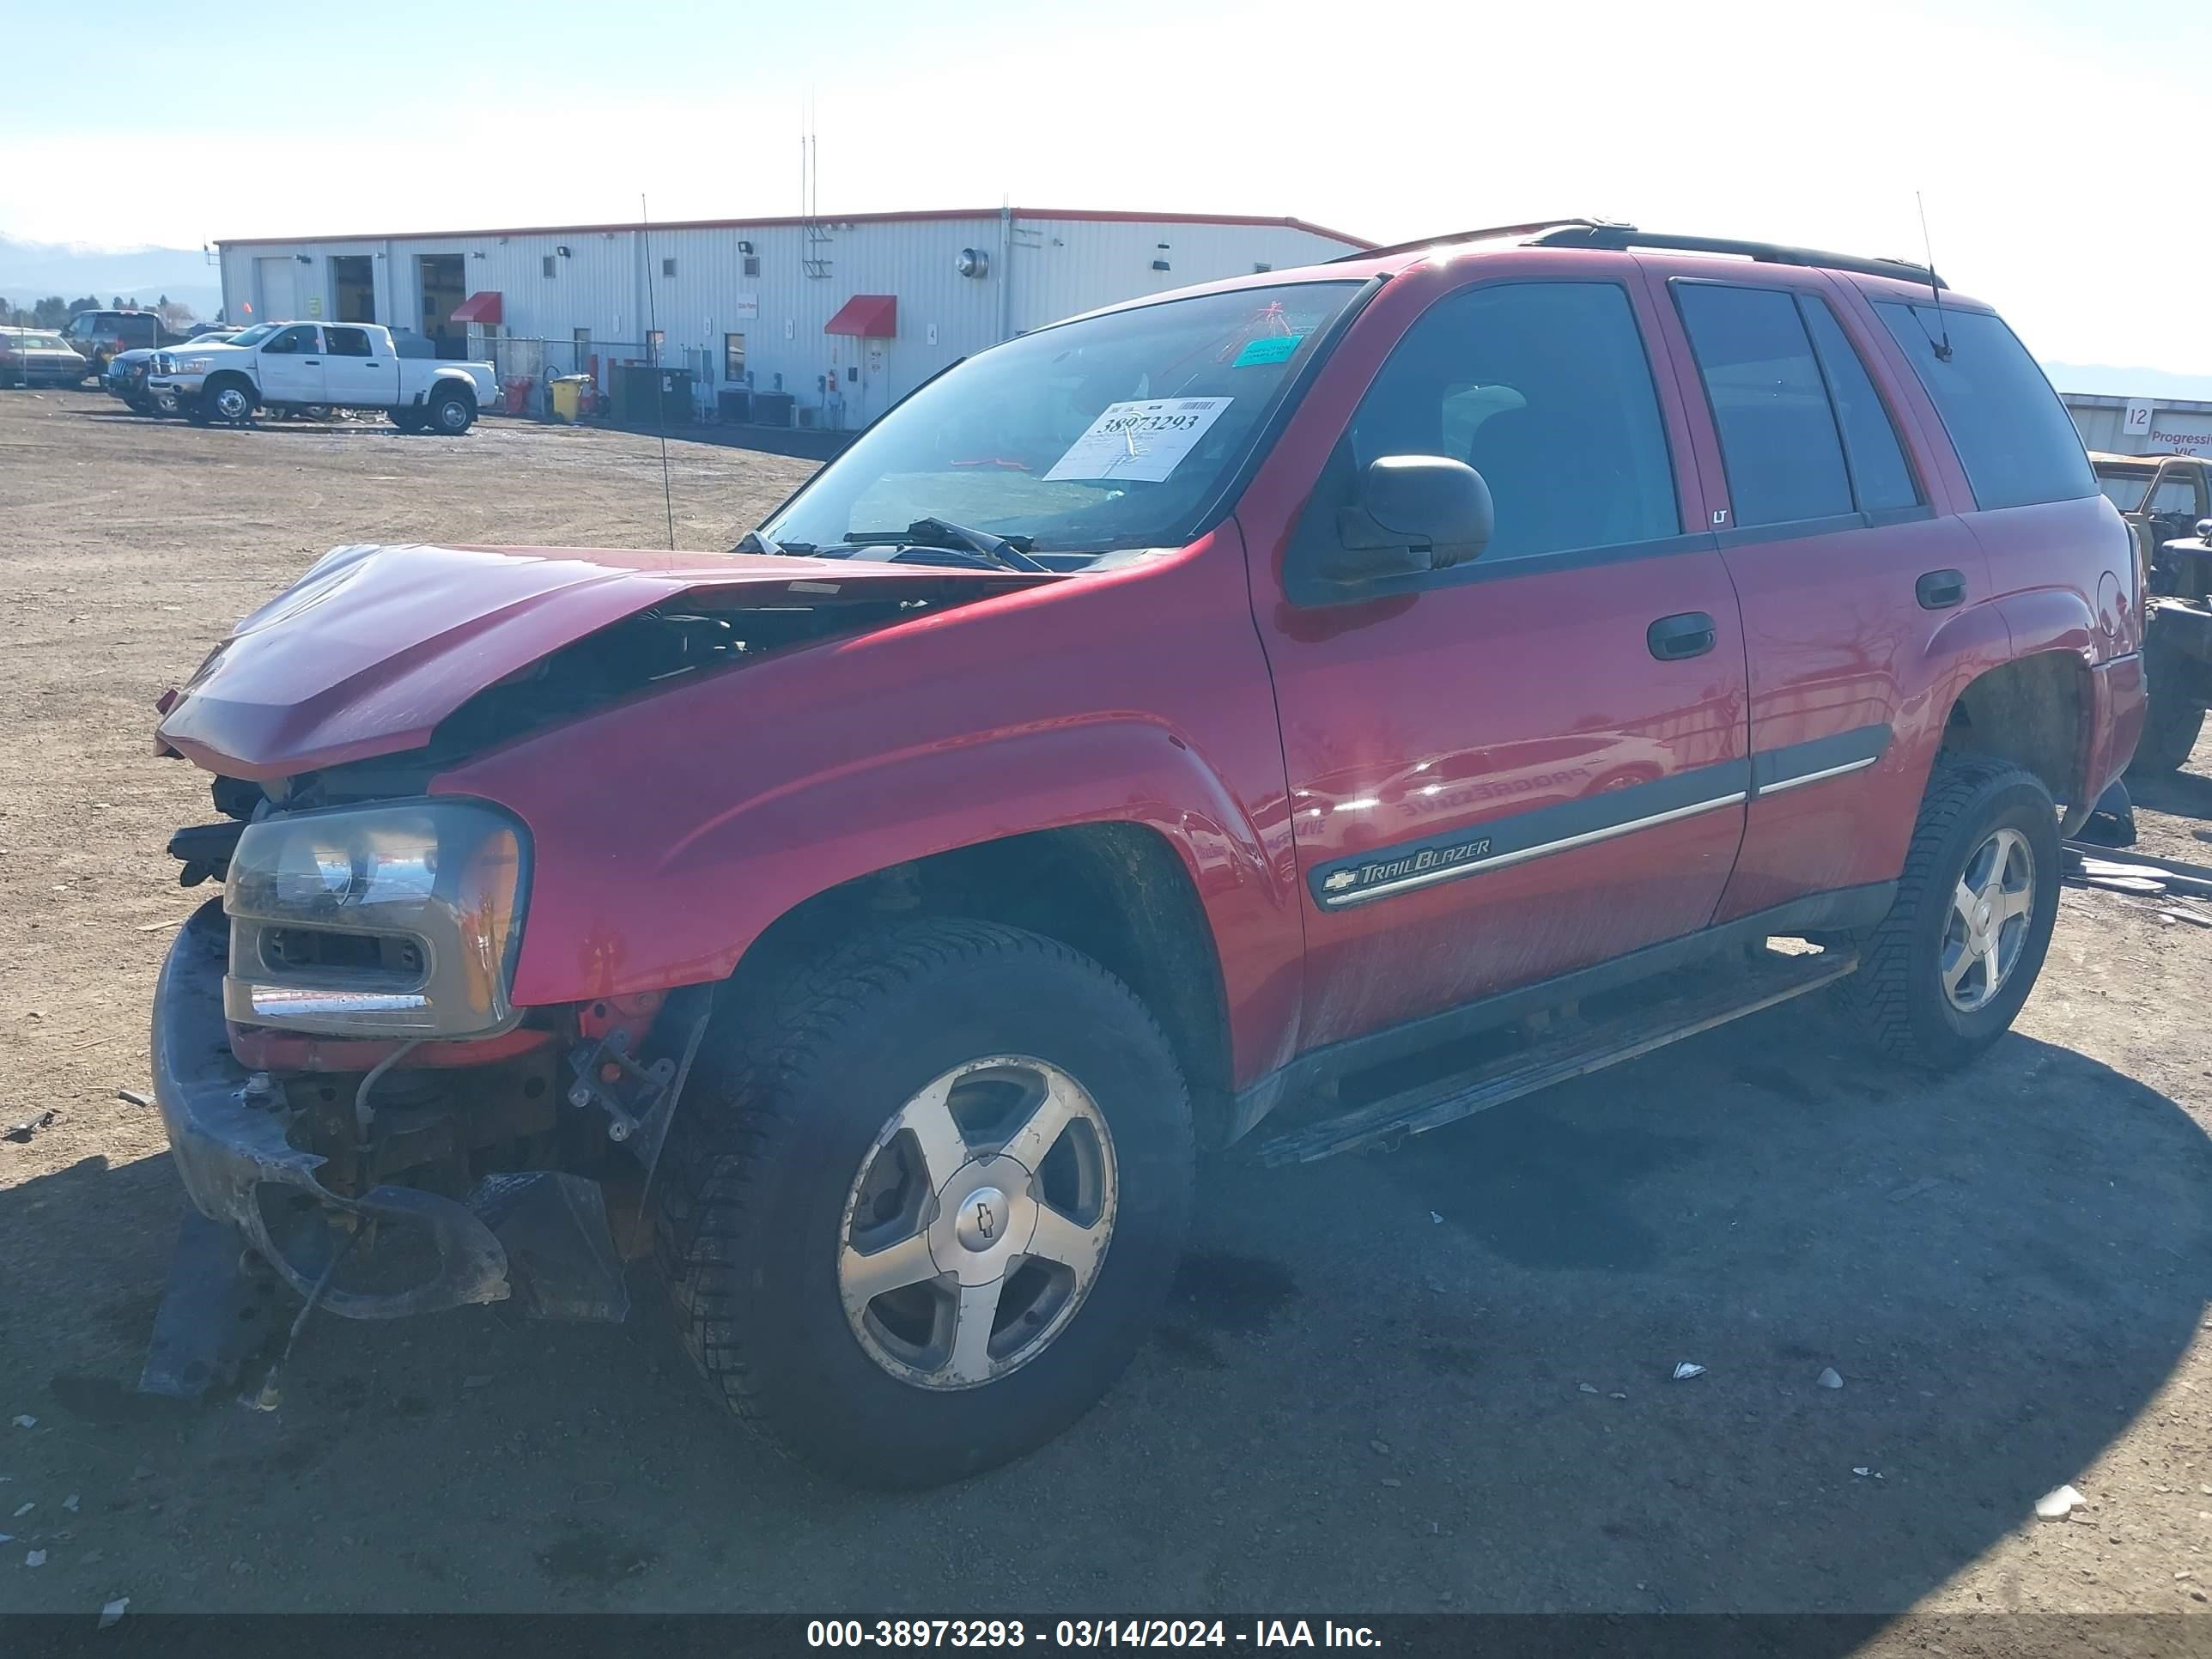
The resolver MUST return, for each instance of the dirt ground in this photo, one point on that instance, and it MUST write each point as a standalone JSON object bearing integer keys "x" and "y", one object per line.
{"x": 1439, "y": 1379}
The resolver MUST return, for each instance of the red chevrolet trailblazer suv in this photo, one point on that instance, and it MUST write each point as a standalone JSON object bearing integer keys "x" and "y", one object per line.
{"x": 1148, "y": 726}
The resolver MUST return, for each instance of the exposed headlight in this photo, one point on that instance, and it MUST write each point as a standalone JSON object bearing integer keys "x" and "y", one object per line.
{"x": 191, "y": 366}
{"x": 391, "y": 921}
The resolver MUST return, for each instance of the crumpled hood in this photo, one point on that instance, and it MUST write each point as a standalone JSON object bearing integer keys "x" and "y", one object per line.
{"x": 374, "y": 646}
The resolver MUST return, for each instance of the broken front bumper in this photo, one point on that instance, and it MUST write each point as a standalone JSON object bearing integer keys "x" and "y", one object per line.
{"x": 226, "y": 1132}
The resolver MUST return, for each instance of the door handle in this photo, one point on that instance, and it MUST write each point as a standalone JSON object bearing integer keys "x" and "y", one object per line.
{"x": 311, "y": 362}
{"x": 1939, "y": 590}
{"x": 1675, "y": 639}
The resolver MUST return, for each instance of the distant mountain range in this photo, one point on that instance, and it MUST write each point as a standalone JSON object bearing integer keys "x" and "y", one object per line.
{"x": 2129, "y": 382}
{"x": 31, "y": 271}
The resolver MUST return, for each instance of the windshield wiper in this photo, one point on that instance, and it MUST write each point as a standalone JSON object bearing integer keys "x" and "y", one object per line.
{"x": 753, "y": 542}
{"x": 1009, "y": 552}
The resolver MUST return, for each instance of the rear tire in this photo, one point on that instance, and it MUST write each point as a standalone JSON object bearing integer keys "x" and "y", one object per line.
{"x": 1943, "y": 975}
{"x": 777, "y": 1220}
{"x": 451, "y": 414}
{"x": 408, "y": 419}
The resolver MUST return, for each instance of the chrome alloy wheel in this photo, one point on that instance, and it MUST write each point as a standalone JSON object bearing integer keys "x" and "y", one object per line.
{"x": 1987, "y": 928}
{"x": 978, "y": 1223}
{"x": 232, "y": 404}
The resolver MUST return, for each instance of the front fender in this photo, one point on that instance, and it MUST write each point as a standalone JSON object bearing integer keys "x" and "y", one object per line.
{"x": 716, "y": 889}
{"x": 669, "y": 834}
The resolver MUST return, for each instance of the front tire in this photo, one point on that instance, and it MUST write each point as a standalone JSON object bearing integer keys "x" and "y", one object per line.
{"x": 1943, "y": 975}
{"x": 231, "y": 402}
{"x": 923, "y": 1211}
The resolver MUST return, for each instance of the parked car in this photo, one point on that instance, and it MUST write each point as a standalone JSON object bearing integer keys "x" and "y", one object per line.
{"x": 295, "y": 366}
{"x": 34, "y": 356}
{"x": 128, "y": 371}
{"x": 2164, "y": 500}
{"x": 97, "y": 335}
{"x": 898, "y": 902}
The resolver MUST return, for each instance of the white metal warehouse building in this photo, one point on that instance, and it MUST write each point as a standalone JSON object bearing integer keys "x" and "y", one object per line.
{"x": 870, "y": 305}
{"x": 2142, "y": 426}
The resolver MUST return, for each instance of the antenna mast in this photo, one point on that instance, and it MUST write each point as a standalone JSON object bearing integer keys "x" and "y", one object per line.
{"x": 1935, "y": 287}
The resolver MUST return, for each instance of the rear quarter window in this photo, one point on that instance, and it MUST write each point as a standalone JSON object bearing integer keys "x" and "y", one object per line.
{"x": 2012, "y": 436}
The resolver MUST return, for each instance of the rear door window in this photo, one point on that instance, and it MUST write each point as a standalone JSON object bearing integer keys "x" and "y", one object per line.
{"x": 2012, "y": 436}
{"x": 347, "y": 341}
{"x": 1880, "y": 477}
{"x": 1779, "y": 435}
{"x": 1545, "y": 390}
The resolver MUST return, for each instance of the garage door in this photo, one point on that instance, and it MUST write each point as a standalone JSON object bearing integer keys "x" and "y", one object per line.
{"x": 275, "y": 291}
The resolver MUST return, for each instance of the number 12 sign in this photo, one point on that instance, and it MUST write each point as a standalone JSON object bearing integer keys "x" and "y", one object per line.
{"x": 2138, "y": 424}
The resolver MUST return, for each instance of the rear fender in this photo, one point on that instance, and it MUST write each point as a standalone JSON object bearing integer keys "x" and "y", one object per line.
{"x": 2053, "y": 626}
{"x": 2050, "y": 619}
{"x": 1969, "y": 645}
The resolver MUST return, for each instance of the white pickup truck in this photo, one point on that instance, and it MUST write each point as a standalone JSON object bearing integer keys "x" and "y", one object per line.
{"x": 284, "y": 365}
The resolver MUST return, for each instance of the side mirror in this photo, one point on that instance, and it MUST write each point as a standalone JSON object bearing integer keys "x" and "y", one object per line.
{"x": 2204, "y": 529}
{"x": 1414, "y": 513}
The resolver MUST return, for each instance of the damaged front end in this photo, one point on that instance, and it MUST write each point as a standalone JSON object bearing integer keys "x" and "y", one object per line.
{"x": 357, "y": 1109}
{"x": 492, "y": 1173}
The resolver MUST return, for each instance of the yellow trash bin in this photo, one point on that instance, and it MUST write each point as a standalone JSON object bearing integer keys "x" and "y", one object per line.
{"x": 569, "y": 396}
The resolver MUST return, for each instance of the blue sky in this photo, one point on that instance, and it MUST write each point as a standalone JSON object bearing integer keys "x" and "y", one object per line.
{"x": 2052, "y": 141}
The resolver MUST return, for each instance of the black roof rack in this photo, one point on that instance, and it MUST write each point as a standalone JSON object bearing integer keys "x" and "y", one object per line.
{"x": 1584, "y": 233}
{"x": 1529, "y": 229}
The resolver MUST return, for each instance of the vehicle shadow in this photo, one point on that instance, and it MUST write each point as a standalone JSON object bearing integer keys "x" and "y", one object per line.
{"x": 130, "y": 417}
{"x": 1437, "y": 1379}
{"x": 2184, "y": 794}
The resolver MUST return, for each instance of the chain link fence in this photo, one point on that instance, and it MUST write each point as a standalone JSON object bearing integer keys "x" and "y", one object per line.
{"x": 526, "y": 368}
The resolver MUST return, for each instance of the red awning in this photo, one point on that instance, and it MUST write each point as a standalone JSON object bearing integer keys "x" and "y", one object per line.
{"x": 476, "y": 308}
{"x": 870, "y": 316}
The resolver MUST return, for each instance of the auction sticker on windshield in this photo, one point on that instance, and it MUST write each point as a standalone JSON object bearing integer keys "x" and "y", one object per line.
{"x": 1141, "y": 440}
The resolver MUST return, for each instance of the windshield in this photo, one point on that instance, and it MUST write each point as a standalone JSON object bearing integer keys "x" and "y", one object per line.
{"x": 253, "y": 336}
{"x": 1118, "y": 431}
{"x": 45, "y": 342}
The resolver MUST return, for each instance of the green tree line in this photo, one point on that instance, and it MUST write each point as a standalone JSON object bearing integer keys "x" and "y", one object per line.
{"x": 54, "y": 312}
